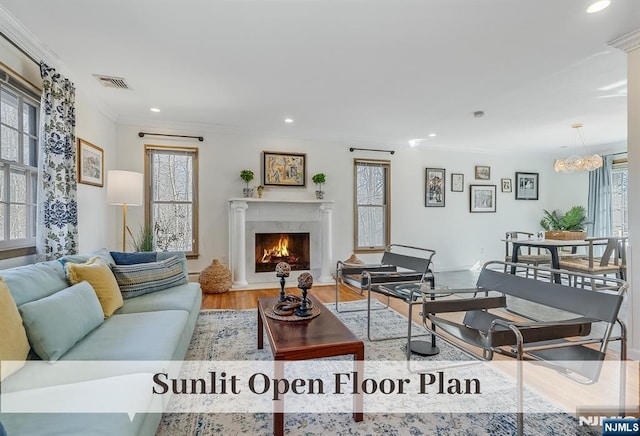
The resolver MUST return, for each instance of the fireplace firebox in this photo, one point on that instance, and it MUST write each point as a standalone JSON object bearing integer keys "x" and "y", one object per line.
{"x": 273, "y": 248}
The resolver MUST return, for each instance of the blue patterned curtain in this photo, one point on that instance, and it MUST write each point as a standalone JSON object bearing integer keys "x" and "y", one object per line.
{"x": 599, "y": 209}
{"x": 57, "y": 230}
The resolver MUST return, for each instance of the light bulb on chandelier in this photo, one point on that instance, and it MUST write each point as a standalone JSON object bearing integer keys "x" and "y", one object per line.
{"x": 573, "y": 163}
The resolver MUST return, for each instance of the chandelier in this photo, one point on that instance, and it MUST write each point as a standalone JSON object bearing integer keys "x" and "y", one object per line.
{"x": 588, "y": 162}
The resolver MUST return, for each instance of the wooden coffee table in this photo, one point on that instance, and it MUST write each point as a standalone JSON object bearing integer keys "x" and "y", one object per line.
{"x": 322, "y": 336}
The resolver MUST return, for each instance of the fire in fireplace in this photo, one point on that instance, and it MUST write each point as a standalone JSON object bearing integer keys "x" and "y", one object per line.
{"x": 273, "y": 248}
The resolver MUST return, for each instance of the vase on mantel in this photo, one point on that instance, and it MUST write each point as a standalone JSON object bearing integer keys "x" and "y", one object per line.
{"x": 319, "y": 195}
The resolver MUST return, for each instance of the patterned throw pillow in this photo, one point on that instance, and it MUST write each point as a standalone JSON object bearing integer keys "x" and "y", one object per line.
{"x": 97, "y": 272}
{"x": 143, "y": 278}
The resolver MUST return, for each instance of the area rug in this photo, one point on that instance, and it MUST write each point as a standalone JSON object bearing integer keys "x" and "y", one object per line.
{"x": 230, "y": 335}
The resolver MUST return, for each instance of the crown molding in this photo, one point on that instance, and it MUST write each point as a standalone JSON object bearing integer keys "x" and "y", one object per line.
{"x": 628, "y": 42}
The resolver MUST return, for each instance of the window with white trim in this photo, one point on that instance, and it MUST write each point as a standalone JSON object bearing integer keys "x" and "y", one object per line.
{"x": 372, "y": 204}
{"x": 19, "y": 113}
{"x": 171, "y": 209}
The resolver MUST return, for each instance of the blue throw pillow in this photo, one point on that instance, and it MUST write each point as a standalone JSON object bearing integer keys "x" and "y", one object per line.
{"x": 143, "y": 278}
{"x": 134, "y": 258}
{"x": 56, "y": 323}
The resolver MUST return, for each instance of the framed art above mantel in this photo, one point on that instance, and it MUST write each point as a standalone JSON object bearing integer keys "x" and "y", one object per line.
{"x": 284, "y": 169}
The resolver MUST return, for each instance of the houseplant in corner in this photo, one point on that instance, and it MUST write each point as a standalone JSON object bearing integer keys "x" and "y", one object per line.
{"x": 565, "y": 226}
{"x": 319, "y": 179}
{"x": 247, "y": 176}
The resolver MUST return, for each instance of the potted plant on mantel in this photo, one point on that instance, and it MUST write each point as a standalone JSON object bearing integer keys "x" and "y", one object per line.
{"x": 247, "y": 176}
{"x": 565, "y": 226}
{"x": 319, "y": 179}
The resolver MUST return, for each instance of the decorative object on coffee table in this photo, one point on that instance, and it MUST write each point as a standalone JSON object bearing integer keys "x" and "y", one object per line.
{"x": 305, "y": 281}
{"x": 215, "y": 279}
{"x": 283, "y": 269}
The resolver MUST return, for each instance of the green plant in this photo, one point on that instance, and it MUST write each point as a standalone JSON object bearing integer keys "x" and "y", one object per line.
{"x": 247, "y": 176}
{"x": 574, "y": 220}
{"x": 144, "y": 240}
{"x": 319, "y": 179}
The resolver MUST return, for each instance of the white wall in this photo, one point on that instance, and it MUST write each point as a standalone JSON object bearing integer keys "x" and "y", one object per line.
{"x": 461, "y": 239}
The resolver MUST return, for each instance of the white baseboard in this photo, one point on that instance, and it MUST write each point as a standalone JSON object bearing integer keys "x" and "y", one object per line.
{"x": 633, "y": 354}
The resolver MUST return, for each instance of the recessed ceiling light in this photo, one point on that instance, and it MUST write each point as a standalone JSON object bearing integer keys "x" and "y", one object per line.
{"x": 598, "y": 6}
{"x": 432, "y": 135}
{"x": 288, "y": 120}
{"x": 416, "y": 141}
{"x": 154, "y": 109}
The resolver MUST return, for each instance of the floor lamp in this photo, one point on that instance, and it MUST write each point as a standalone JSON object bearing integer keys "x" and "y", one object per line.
{"x": 124, "y": 188}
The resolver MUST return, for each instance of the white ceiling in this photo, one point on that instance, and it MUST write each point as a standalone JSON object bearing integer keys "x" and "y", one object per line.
{"x": 356, "y": 72}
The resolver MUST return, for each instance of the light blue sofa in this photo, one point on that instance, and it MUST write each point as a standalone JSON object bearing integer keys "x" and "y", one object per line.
{"x": 153, "y": 327}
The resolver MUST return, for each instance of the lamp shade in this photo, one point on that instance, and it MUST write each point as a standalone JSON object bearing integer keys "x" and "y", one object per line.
{"x": 124, "y": 187}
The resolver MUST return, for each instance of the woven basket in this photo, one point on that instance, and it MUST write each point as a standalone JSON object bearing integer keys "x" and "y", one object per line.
{"x": 565, "y": 235}
{"x": 215, "y": 279}
{"x": 353, "y": 260}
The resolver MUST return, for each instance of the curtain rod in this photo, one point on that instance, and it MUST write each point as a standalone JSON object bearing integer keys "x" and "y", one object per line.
{"x": 352, "y": 149}
{"x": 20, "y": 49}
{"x": 199, "y": 138}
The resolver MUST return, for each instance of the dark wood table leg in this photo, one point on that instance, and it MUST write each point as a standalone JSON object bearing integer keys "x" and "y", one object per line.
{"x": 358, "y": 363}
{"x": 260, "y": 330}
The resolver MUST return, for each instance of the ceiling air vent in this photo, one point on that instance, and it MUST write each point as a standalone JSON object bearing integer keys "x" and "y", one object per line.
{"x": 112, "y": 82}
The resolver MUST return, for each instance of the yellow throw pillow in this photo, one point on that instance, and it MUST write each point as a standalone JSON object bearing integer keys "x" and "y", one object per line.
{"x": 97, "y": 272}
{"x": 14, "y": 345}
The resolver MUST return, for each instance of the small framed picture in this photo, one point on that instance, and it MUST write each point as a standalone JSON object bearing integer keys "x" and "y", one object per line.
{"x": 457, "y": 182}
{"x": 283, "y": 169}
{"x": 90, "y": 163}
{"x": 482, "y": 198}
{"x": 506, "y": 185}
{"x": 483, "y": 172}
{"x": 434, "y": 186}
{"x": 526, "y": 186}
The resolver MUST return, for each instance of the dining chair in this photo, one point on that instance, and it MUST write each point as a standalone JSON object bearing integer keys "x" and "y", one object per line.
{"x": 533, "y": 256}
{"x": 612, "y": 261}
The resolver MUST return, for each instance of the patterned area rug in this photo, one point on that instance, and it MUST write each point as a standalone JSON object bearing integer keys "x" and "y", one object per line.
{"x": 230, "y": 335}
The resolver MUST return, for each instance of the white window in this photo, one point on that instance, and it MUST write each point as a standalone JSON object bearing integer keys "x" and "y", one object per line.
{"x": 18, "y": 171}
{"x": 172, "y": 197}
{"x": 619, "y": 201}
{"x": 372, "y": 204}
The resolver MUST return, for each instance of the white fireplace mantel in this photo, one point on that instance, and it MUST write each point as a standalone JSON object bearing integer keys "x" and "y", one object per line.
{"x": 256, "y": 210}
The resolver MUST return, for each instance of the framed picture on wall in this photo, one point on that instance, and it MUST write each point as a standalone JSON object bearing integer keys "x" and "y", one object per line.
{"x": 90, "y": 163}
{"x": 506, "y": 185}
{"x": 483, "y": 172}
{"x": 434, "y": 186}
{"x": 482, "y": 198}
{"x": 283, "y": 169}
{"x": 526, "y": 186}
{"x": 457, "y": 182}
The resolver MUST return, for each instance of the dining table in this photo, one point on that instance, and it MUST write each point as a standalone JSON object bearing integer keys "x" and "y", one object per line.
{"x": 551, "y": 245}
